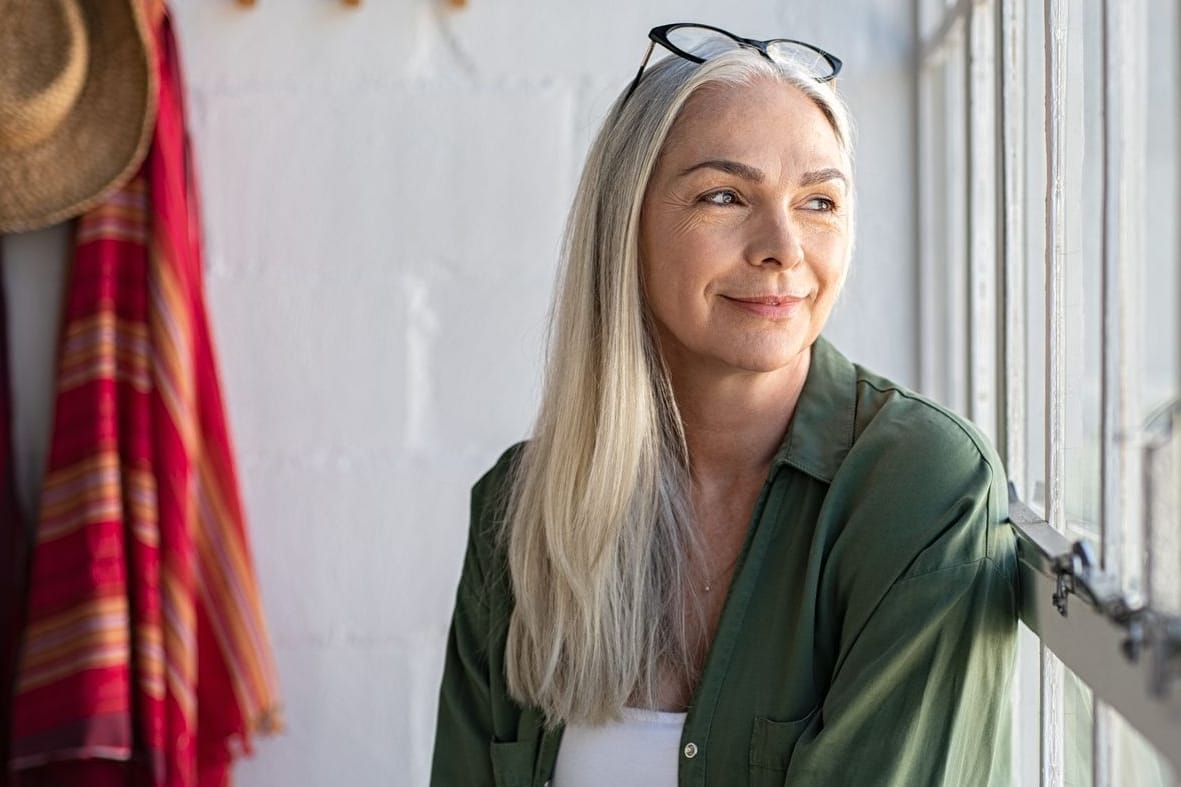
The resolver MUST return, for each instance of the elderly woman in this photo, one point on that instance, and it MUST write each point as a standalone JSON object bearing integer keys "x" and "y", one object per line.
{"x": 728, "y": 555}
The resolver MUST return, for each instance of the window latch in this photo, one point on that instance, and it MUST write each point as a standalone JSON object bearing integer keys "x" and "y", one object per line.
{"x": 1147, "y": 633}
{"x": 1078, "y": 573}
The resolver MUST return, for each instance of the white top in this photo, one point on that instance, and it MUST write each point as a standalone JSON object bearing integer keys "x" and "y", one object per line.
{"x": 642, "y": 749}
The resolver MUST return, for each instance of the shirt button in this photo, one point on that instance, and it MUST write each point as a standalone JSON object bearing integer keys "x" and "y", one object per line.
{"x": 690, "y": 750}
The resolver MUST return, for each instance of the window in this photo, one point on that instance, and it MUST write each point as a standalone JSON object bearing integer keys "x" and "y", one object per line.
{"x": 1050, "y": 164}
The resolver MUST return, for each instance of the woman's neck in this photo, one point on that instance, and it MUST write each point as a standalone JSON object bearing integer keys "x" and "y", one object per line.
{"x": 734, "y": 423}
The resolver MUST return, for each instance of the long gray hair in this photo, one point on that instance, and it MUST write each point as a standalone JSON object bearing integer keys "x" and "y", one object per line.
{"x": 599, "y": 525}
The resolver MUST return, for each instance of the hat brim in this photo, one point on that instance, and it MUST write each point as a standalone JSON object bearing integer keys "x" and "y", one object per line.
{"x": 102, "y": 141}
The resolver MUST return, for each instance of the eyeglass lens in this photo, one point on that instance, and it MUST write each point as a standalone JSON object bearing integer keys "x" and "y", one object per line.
{"x": 705, "y": 43}
{"x": 700, "y": 41}
{"x": 804, "y": 57}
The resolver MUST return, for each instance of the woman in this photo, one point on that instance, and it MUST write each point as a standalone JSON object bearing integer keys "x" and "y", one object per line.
{"x": 728, "y": 555}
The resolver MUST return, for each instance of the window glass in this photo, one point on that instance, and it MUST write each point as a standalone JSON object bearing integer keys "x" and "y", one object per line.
{"x": 1137, "y": 761}
{"x": 1160, "y": 290}
{"x": 1082, "y": 300}
{"x": 1078, "y": 718}
{"x": 1033, "y": 487}
{"x": 955, "y": 382}
{"x": 944, "y": 206}
{"x": 935, "y": 242}
{"x": 1158, "y": 370}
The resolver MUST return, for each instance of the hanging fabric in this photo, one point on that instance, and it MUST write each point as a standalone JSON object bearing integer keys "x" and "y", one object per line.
{"x": 13, "y": 546}
{"x": 146, "y": 658}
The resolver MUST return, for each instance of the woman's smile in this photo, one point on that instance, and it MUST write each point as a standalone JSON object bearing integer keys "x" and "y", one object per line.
{"x": 772, "y": 307}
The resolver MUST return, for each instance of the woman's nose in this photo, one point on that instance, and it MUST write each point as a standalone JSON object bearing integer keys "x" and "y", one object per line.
{"x": 777, "y": 241}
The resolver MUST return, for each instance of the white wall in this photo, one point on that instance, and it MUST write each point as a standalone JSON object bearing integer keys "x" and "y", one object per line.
{"x": 384, "y": 191}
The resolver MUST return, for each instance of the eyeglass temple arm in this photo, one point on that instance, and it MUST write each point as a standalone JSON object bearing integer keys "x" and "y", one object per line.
{"x": 639, "y": 73}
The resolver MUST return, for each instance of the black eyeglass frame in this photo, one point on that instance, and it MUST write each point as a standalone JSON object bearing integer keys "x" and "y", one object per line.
{"x": 659, "y": 35}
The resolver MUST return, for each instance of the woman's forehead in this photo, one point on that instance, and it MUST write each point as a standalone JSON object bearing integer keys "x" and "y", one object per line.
{"x": 763, "y": 119}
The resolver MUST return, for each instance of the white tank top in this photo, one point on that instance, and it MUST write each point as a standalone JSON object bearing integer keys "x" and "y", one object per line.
{"x": 642, "y": 749}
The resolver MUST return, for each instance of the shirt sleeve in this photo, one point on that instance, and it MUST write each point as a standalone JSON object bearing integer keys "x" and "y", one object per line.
{"x": 921, "y": 695}
{"x": 464, "y": 731}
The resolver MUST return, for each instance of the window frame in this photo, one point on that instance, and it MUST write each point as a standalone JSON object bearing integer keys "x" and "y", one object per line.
{"x": 972, "y": 150}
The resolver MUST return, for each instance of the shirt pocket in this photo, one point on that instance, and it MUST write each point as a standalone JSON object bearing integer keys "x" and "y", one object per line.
{"x": 512, "y": 763}
{"x": 771, "y": 746}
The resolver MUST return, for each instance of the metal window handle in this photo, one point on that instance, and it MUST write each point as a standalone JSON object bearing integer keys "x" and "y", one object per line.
{"x": 1078, "y": 573}
{"x": 1145, "y": 629}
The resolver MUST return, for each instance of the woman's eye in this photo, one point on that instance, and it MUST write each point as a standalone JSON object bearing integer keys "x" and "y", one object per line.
{"x": 822, "y": 204}
{"x": 721, "y": 198}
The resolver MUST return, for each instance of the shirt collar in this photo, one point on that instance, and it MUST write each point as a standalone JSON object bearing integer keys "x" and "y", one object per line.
{"x": 821, "y": 430}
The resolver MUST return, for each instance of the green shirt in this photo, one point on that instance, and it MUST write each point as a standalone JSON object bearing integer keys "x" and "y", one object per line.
{"x": 868, "y": 634}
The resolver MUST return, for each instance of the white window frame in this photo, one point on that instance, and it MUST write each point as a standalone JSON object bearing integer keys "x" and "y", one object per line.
{"x": 973, "y": 258}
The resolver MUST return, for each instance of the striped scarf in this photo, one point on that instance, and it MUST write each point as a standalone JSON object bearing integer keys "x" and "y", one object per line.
{"x": 146, "y": 658}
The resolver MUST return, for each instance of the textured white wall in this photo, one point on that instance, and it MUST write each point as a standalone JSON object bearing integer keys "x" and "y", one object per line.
{"x": 384, "y": 192}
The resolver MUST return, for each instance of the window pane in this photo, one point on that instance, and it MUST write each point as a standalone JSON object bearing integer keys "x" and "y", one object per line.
{"x": 933, "y": 197}
{"x": 1033, "y": 486}
{"x": 1161, "y": 295}
{"x": 1083, "y": 181}
{"x": 955, "y": 383}
{"x": 1078, "y": 718}
{"x": 1137, "y": 761}
{"x": 1160, "y": 287}
{"x": 944, "y": 205}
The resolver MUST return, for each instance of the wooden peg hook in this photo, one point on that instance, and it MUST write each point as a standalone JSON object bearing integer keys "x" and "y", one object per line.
{"x": 252, "y": 3}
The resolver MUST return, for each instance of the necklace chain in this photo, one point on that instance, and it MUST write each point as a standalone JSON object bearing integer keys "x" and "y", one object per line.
{"x": 709, "y": 582}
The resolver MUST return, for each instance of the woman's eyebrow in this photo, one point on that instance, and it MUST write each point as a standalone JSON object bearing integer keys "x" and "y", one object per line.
{"x": 822, "y": 176}
{"x": 747, "y": 172}
{"x": 744, "y": 171}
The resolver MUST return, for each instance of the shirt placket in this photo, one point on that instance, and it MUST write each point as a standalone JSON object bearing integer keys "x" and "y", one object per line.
{"x": 693, "y": 769}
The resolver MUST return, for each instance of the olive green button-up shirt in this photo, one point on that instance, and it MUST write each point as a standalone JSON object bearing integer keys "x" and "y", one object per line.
{"x": 868, "y": 634}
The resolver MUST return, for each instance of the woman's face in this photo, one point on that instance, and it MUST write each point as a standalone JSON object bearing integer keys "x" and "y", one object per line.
{"x": 744, "y": 231}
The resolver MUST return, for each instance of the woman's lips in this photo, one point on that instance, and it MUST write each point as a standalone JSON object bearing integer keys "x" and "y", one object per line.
{"x": 775, "y": 307}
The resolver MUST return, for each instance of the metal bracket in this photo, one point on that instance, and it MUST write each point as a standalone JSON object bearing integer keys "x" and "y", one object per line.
{"x": 1165, "y": 637}
{"x": 1078, "y": 573}
{"x": 1120, "y": 644}
{"x": 1065, "y": 587}
{"x": 1145, "y": 629}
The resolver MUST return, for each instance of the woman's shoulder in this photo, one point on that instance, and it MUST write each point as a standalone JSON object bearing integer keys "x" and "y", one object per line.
{"x": 922, "y": 481}
{"x": 906, "y": 427}
{"x": 484, "y": 574}
{"x": 490, "y": 494}
{"x": 497, "y": 479}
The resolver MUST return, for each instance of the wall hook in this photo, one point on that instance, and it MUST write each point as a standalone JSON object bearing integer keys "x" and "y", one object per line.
{"x": 251, "y": 3}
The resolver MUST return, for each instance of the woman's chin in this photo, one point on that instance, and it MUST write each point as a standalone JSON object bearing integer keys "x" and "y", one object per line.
{"x": 764, "y": 360}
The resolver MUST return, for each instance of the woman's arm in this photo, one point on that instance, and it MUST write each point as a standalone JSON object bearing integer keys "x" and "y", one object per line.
{"x": 922, "y": 696}
{"x": 920, "y": 691}
{"x": 464, "y": 731}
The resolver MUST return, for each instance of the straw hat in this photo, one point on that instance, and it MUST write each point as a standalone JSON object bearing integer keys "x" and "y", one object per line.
{"x": 77, "y": 105}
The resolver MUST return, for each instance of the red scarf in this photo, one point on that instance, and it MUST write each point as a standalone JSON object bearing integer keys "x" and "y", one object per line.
{"x": 146, "y": 658}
